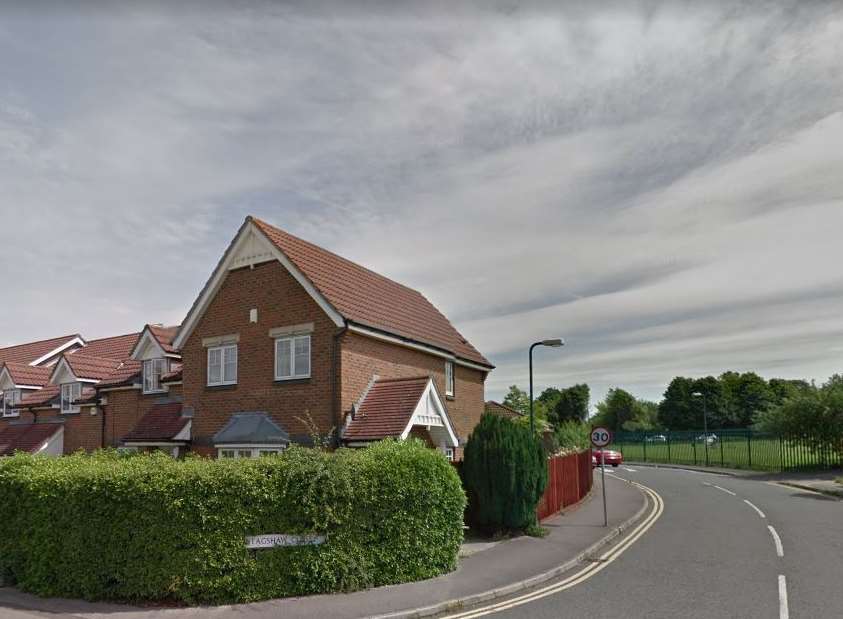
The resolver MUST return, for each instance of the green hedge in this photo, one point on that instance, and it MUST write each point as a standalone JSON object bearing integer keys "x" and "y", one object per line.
{"x": 149, "y": 528}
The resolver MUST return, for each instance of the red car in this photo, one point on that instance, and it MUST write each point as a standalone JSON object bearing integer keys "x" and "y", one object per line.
{"x": 613, "y": 458}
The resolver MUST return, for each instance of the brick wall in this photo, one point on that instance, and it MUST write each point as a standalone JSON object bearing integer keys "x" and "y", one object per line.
{"x": 126, "y": 407}
{"x": 362, "y": 357}
{"x": 280, "y": 301}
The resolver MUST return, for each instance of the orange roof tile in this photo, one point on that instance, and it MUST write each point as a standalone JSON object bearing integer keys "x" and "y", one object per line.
{"x": 387, "y": 409}
{"x": 27, "y": 353}
{"x": 369, "y": 299}
{"x": 24, "y": 374}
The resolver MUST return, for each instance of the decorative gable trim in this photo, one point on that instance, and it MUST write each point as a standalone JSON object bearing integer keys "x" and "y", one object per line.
{"x": 249, "y": 247}
{"x": 76, "y": 341}
{"x": 431, "y": 412}
{"x": 62, "y": 371}
{"x": 146, "y": 342}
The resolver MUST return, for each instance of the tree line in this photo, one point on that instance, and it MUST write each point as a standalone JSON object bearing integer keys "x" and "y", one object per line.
{"x": 731, "y": 400}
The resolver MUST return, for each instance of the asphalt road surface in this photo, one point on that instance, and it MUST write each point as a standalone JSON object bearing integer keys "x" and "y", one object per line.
{"x": 721, "y": 547}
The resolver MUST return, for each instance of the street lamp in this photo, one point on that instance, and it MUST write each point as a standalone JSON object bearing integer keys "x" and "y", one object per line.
{"x": 700, "y": 394}
{"x": 557, "y": 343}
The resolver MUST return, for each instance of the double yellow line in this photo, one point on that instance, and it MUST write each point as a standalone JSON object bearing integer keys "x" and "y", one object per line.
{"x": 582, "y": 575}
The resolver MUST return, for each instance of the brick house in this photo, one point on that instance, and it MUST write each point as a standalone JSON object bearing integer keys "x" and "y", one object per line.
{"x": 287, "y": 337}
{"x": 285, "y": 341}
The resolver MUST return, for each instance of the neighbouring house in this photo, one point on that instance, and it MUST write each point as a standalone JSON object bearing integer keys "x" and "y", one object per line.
{"x": 286, "y": 341}
{"x": 496, "y": 408}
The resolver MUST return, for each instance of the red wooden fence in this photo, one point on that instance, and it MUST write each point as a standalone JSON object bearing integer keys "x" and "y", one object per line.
{"x": 568, "y": 481}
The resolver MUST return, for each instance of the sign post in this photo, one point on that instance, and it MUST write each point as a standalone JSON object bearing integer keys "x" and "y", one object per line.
{"x": 602, "y": 437}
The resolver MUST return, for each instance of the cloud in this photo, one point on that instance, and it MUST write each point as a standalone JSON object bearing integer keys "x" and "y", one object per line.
{"x": 660, "y": 184}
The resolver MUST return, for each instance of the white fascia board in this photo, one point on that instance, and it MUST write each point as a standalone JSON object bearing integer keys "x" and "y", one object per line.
{"x": 6, "y": 378}
{"x": 134, "y": 387}
{"x": 184, "y": 435}
{"x": 32, "y": 387}
{"x": 62, "y": 364}
{"x": 153, "y": 443}
{"x": 377, "y": 335}
{"x": 212, "y": 287}
{"x": 145, "y": 340}
{"x": 432, "y": 394}
{"x": 59, "y": 350}
{"x": 250, "y": 445}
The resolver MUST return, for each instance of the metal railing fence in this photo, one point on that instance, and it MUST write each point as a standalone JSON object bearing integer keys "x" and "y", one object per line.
{"x": 733, "y": 448}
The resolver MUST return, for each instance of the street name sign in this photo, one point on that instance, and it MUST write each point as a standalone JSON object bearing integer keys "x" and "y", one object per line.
{"x": 275, "y": 540}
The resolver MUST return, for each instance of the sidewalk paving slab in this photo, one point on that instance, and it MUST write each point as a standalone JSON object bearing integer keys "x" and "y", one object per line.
{"x": 499, "y": 570}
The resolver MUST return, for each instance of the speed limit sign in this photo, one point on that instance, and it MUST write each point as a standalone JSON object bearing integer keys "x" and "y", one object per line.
{"x": 600, "y": 437}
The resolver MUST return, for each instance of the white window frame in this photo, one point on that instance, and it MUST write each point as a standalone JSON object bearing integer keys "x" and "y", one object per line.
{"x": 295, "y": 375}
{"x": 10, "y": 397}
{"x": 222, "y": 350}
{"x": 75, "y": 393}
{"x": 449, "y": 379}
{"x": 240, "y": 452}
{"x": 449, "y": 453}
{"x": 154, "y": 384}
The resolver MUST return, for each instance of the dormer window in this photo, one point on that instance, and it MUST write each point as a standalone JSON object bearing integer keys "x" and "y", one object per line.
{"x": 70, "y": 392}
{"x": 153, "y": 370}
{"x": 11, "y": 397}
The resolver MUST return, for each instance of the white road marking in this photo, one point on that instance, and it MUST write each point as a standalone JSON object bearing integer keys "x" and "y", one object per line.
{"x": 784, "y": 613}
{"x": 626, "y": 468}
{"x": 584, "y": 574}
{"x": 777, "y": 540}
{"x": 760, "y": 513}
{"x": 726, "y": 491}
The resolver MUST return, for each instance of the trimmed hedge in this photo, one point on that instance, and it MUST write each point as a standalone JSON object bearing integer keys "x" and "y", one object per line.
{"x": 150, "y": 528}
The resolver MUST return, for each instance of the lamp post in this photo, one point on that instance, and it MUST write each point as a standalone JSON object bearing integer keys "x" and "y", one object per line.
{"x": 552, "y": 344}
{"x": 700, "y": 394}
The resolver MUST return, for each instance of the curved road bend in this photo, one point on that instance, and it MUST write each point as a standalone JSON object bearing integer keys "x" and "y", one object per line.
{"x": 714, "y": 552}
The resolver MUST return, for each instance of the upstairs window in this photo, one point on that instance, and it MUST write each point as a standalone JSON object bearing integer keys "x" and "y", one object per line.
{"x": 449, "y": 378}
{"x": 292, "y": 357}
{"x": 70, "y": 392}
{"x": 10, "y": 398}
{"x": 153, "y": 370}
{"x": 222, "y": 365}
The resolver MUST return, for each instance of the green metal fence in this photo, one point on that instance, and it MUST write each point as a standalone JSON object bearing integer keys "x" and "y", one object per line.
{"x": 736, "y": 449}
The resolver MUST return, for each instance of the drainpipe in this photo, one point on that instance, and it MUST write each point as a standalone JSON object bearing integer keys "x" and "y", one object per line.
{"x": 335, "y": 382}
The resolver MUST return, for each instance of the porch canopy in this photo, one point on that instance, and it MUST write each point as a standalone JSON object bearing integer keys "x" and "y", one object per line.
{"x": 251, "y": 431}
{"x": 400, "y": 407}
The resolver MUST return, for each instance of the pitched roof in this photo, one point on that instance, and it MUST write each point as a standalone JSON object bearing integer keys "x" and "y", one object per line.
{"x": 496, "y": 408}
{"x": 174, "y": 375}
{"x": 369, "y": 299}
{"x": 90, "y": 367}
{"x": 27, "y": 353}
{"x": 27, "y": 438}
{"x": 251, "y": 429}
{"x": 24, "y": 374}
{"x": 165, "y": 336}
{"x": 387, "y": 409}
{"x": 118, "y": 347}
{"x": 125, "y": 373}
{"x": 163, "y": 422}
{"x": 42, "y": 397}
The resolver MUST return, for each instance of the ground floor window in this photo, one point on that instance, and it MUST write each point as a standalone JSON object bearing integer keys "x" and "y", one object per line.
{"x": 449, "y": 453}
{"x": 236, "y": 453}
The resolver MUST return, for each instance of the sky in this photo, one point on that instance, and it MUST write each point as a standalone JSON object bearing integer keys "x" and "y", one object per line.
{"x": 659, "y": 184}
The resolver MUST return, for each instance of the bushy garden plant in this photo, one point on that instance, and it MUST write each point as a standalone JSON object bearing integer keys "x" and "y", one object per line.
{"x": 505, "y": 473}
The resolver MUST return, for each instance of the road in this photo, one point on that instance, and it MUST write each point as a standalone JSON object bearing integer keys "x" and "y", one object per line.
{"x": 721, "y": 547}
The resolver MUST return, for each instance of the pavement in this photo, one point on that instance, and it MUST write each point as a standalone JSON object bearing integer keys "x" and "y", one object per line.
{"x": 724, "y": 546}
{"x": 486, "y": 572}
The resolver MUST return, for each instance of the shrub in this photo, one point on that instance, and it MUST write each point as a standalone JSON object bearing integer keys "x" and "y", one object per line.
{"x": 152, "y": 528}
{"x": 573, "y": 436}
{"x": 505, "y": 473}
